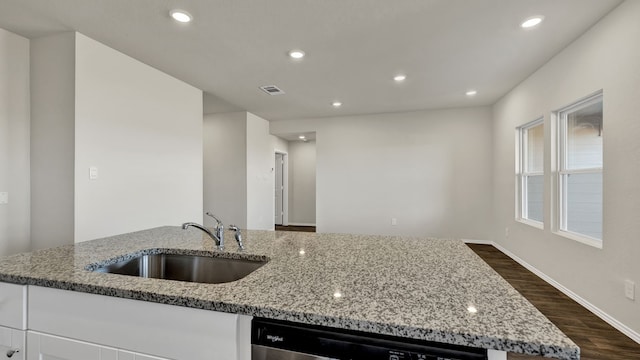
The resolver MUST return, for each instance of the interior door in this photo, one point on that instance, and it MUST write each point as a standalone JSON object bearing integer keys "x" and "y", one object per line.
{"x": 279, "y": 187}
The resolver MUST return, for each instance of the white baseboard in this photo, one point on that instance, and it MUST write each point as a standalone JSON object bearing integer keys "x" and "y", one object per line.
{"x": 300, "y": 224}
{"x": 635, "y": 336}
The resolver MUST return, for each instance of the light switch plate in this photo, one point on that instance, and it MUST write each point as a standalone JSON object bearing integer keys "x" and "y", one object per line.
{"x": 629, "y": 289}
{"x": 93, "y": 173}
{"x": 4, "y": 197}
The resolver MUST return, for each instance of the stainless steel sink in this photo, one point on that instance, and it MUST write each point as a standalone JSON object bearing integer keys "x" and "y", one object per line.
{"x": 192, "y": 268}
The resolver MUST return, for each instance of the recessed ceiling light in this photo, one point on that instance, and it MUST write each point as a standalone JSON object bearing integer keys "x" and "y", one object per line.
{"x": 301, "y": 137}
{"x": 336, "y": 104}
{"x": 472, "y": 309}
{"x": 532, "y": 22}
{"x": 400, "y": 77}
{"x": 337, "y": 294}
{"x": 296, "y": 54}
{"x": 471, "y": 93}
{"x": 180, "y": 16}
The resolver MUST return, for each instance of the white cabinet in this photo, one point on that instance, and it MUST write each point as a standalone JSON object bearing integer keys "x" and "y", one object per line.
{"x": 68, "y": 325}
{"x": 48, "y": 347}
{"x": 12, "y": 343}
{"x": 127, "y": 355}
{"x": 162, "y": 330}
{"x": 13, "y": 306}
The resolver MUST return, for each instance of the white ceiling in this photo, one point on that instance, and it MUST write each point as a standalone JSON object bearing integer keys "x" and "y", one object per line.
{"x": 309, "y": 136}
{"x": 354, "y": 47}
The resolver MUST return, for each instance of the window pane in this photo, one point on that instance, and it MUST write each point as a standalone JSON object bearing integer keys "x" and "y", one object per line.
{"x": 534, "y": 197}
{"x": 535, "y": 146}
{"x": 584, "y": 204}
{"x": 584, "y": 137}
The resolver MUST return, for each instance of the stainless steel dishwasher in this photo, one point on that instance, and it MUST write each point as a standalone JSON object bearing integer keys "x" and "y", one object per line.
{"x": 281, "y": 340}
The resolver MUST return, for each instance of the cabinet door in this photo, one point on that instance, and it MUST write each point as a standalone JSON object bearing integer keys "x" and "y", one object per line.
{"x": 127, "y": 355}
{"x": 13, "y": 302}
{"x": 47, "y": 347}
{"x": 178, "y": 333}
{"x": 12, "y": 343}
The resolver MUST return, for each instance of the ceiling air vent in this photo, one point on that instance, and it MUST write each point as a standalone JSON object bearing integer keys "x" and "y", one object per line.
{"x": 271, "y": 90}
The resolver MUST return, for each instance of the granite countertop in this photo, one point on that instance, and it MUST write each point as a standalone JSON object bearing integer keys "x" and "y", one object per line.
{"x": 410, "y": 287}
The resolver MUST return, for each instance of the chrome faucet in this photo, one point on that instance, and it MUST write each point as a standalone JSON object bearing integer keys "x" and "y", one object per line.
{"x": 219, "y": 241}
{"x": 218, "y": 232}
{"x": 238, "y": 236}
{"x": 219, "y": 229}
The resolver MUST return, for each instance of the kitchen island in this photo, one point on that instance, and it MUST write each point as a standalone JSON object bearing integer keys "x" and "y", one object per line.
{"x": 418, "y": 288}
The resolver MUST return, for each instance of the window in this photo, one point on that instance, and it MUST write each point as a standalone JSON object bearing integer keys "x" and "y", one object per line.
{"x": 531, "y": 172}
{"x": 580, "y": 170}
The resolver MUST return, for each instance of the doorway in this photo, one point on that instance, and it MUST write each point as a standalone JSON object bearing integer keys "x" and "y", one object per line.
{"x": 280, "y": 190}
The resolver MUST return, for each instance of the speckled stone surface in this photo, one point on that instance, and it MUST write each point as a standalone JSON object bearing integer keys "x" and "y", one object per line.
{"x": 410, "y": 287}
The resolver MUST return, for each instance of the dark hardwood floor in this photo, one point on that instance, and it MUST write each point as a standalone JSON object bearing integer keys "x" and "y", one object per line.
{"x": 296, "y": 228}
{"x": 597, "y": 339}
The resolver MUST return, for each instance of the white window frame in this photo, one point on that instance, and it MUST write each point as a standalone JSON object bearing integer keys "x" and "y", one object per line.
{"x": 522, "y": 173}
{"x": 562, "y": 172}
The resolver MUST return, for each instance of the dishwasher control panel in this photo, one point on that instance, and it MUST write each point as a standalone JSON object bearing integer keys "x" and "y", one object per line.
{"x": 315, "y": 342}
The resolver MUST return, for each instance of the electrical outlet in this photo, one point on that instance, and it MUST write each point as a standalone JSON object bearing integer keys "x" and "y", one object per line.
{"x": 93, "y": 173}
{"x": 629, "y": 289}
{"x": 506, "y": 233}
{"x": 394, "y": 221}
{"x": 4, "y": 197}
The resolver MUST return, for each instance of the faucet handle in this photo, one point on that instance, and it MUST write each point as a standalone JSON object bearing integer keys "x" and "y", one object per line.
{"x": 218, "y": 222}
{"x": 238, "y": 236}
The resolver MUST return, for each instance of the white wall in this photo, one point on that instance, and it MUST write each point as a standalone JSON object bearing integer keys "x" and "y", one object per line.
{"x": 430, "y": 169}
{"x": 239, "y": 175}
{"x": 279, "y": 144}
{"x": 143, "y": 130}
{"x": 302, "y": 183}
{"x": 52, "y": 140}
{"x": 260, "y": 174}
{"x": 14, "y": 143}
{"x": 607, "y": 58}
{"x": 225, "y": 171}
